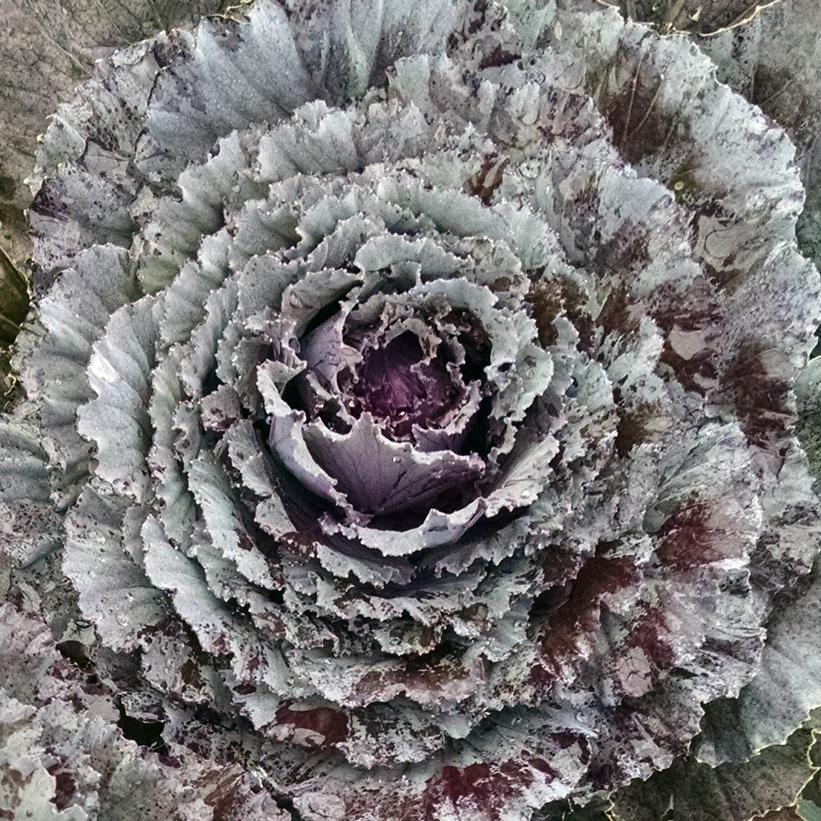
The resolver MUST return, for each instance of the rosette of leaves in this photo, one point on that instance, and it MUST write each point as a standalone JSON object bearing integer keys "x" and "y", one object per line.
{"x": 412, "y": 408}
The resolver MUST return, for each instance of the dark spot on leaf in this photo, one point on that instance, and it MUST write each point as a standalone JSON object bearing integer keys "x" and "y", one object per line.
{"x": 498, "y": 57}
{"x": 488, "y": 178}
{"x": 761, "y": 396}
{"x": 547, "y": 301}
{"x": 619, "y": 314}
{"x": 484, "y": 785}
{"x": 691, "y": 320}
{"x": 49, "y": 203}
{"x": 552, "y": 298}
{"x": 190, "y": 674}
{"x": 64, "y": 788}
{"x": 632, "y": 426}
{"x": 561, "y": 631}
{"x": 639, "y": 127}
{"x": 626, "y": 251}
{"x": 648, "y": 633}
{"x": 687, "y": 539}
{"x": 325, "y": 726}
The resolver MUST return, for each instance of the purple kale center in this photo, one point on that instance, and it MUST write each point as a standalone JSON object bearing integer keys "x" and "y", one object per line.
{"x": 401, "y": 387}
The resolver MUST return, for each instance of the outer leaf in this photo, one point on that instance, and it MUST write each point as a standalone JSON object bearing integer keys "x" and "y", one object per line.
{"x": 775, "y": 62}
{"x": 48, "y": 47}
{"x": 786, "y": 688}
{"x": 690, "y": 791}
{"x": 596, "y": 810}
{"x": 808, "y": 391}
{"x": 14, "y": 299}
{"x": 693, "y": 16}
{"x": 808, "y": 811}
{"x": 28, "y": 525}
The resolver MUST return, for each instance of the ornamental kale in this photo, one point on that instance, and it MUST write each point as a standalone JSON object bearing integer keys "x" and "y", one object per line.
{"x": 407, "y": 427}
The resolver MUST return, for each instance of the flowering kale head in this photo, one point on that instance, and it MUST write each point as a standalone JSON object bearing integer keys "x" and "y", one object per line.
{"x": 414, "y": 382}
